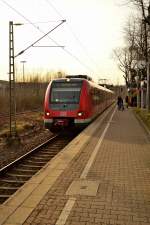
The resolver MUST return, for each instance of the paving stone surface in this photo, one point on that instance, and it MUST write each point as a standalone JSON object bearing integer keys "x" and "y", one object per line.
{"x": 122, "y": 171}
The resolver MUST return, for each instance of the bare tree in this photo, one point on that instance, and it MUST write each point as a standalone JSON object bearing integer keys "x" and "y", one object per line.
{"x": 125, "y": 56}
{"x": 135, "y": 34}
{"x": 143, "y": 5}
{"x": 124, "y": 63}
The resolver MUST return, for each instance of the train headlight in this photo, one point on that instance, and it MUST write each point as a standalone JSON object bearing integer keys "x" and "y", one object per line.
{"x": 47, "y": 113}
{"x": 80, "y": 113}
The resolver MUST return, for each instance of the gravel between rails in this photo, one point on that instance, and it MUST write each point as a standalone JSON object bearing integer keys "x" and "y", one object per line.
{"x": 28, "y": 141}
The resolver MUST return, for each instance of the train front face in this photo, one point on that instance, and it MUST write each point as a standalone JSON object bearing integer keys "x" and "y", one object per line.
{"x": 63, "y": 105}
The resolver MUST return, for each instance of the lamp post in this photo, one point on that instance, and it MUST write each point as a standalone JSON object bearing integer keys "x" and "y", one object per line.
{"x": 143, "y": 94}
{"x": 137, "y": 79}
{"x": 23, "y": 73}
{"x": 141, "y": 66}
{"x": 148, "y": 86}
{"x": 147, "y": 21}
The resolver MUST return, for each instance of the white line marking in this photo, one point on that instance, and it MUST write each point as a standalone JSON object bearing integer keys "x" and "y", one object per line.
{"x": 71, "y": 201}
{"x": 92, "y": 158}
{"x": 66, "y": 211}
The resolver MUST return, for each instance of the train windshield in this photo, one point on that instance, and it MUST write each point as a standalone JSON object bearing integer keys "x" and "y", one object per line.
{"x": 66, "y": 92}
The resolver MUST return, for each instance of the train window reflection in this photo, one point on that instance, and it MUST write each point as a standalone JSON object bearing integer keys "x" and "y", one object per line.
{"x": 65, "y": 95}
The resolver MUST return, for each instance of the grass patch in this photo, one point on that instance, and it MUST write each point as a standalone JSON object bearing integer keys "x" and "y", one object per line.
{"x": 21, "y": 126}
{"x": 38, "y": 117}
{"x": 25, "y": 123}
{"x": 144, "y": 115}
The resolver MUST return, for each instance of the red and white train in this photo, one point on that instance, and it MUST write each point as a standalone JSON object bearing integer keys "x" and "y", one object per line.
{"x": 74, "y": 101}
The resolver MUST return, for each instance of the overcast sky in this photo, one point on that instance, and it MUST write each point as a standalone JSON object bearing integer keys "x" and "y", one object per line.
{"x": 93, "y": 28}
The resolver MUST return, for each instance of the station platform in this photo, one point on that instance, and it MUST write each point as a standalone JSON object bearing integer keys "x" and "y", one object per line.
{"x": 101, "y": 178}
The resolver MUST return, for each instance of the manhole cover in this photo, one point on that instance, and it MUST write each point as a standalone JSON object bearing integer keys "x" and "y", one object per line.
{"x": 83, "y": 187}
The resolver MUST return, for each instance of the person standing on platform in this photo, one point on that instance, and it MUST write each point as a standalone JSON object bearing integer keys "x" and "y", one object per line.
{"x": 120, "y": 103}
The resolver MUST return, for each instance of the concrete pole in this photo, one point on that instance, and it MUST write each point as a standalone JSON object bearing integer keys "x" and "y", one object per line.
{"x": 142, "y": 98}
{"x": 138, "y": 102}
{"x": 148, "y": 86}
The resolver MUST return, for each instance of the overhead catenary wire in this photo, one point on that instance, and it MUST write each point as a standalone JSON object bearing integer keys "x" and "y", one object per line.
{"x": 38, "y": 22}
{"x": 73, "y": 33}
{"x": 37, "y": 27}
{"x": 25, "y": 18}
{"x": 32, "y": 45}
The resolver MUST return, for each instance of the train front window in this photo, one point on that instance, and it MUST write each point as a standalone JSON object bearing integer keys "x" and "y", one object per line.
{"x": 65, "y": 95}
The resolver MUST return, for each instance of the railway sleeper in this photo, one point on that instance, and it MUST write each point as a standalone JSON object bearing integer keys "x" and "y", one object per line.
{"x": 22, "y": 173}
{"x": 31, "y": 166}
{"x": 26, "y": 170}
{"x": 8, "y": 188}
{"x": 39, "y": 158}
{"x": 12, "y": 181}
{"x": 47, "y": 152}
{"x": 19, "y": 175}
{"x": 43, "y": 155}
{"x": 35, "y": 162}
{"x": 5, "y": 196}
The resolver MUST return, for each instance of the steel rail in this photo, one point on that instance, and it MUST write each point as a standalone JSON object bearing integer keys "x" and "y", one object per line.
{"x": 18, "y": 172}
{"x": 27, "y": 154}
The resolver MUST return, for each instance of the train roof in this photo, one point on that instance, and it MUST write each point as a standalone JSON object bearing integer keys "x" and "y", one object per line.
{"x": 80, "y": 76}
{"x": 91, "y": 82}
{"x": 101, "y": 87}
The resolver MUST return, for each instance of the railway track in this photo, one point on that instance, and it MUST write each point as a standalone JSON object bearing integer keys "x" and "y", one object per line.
{"x": 14, "y": 175}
